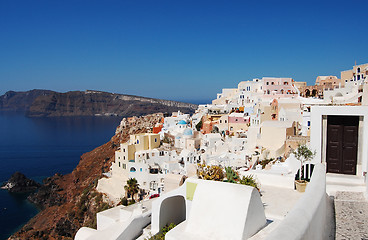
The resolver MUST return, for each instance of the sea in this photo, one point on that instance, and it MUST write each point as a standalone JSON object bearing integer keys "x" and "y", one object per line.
{"x": 39, "y": 148}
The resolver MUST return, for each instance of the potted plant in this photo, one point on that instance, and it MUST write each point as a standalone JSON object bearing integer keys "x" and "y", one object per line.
{"x": 303, "y": 154}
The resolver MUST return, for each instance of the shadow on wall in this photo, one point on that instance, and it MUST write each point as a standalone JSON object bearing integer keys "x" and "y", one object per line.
{"x": 172, "y": 210}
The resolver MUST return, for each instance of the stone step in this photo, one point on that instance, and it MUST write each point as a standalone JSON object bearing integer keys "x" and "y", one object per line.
{"x": 344, "y": 180}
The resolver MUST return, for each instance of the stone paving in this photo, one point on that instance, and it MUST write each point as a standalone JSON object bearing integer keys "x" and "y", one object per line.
{"x": 351, "y": 212}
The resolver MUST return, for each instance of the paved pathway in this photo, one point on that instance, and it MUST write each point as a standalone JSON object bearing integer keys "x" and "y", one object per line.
{"x": 351, "y": 211}
{"x": 278, "y": 201}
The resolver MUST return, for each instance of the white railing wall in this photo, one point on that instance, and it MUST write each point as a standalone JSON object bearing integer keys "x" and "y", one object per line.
{"x": 312, "y": 217}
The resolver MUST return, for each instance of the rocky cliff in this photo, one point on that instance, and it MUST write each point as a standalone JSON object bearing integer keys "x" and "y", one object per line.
{"x": 19, "y": 183}
{"x": 70, "y": 201}
{"x": 20, "y": 101}
{"x": 44, "y": 103}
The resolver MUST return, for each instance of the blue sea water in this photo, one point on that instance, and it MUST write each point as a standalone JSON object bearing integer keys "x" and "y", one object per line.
{"x": 39, "y": 148}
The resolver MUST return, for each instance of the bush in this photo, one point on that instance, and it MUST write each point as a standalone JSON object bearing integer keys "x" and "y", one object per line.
{"x": 231, "y": 175}
{"x": 199, "y": 125}
{"x": 164, "y": 230}
{"x": 265, "y": 162}
{"x": 123, "y": 201}
{"x": 215, "y": 173}
{"x": 250, "y": 181}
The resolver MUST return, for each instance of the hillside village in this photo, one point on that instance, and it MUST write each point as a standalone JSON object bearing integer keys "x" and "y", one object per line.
{"x": 254, "y": 129}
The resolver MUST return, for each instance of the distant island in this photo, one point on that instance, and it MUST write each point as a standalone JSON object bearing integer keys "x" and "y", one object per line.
{"x": 46, "y": 103}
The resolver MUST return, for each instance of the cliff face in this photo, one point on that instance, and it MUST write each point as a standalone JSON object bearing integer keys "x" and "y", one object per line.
{"x": 43, "y": 103}
{"x": 70, "y": 201}
{"x": 20, "y": 101}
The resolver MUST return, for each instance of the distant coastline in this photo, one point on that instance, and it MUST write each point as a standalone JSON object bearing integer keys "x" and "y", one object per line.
{"x": 46, "y": 103}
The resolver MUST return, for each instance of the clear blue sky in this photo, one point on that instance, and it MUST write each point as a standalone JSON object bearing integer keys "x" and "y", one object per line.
{"x": 181, "y": 50}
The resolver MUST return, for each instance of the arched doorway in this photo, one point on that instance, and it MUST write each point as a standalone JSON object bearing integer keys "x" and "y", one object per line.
{"x": 307, "y": 93}
{"x": 172, "y": 210}
{"x": 314, "y": 92}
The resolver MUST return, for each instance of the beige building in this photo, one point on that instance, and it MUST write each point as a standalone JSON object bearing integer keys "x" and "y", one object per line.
{"x": 137, "y": 142}
{"x": 273, "y": 135}
{"x": 300, "y": 84}
{"x": 225, "y": 96}
{"x": 223, "y": 123}
{"x": 329, "y": 81}
{"x": 358, "y": 73}
{"x": 322, "y": 83}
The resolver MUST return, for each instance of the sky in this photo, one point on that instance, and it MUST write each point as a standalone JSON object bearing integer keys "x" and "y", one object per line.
{"x": 177, "y": 50}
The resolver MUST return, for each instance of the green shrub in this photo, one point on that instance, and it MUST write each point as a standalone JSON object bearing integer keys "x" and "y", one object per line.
{"x": 161, "y": 235}
{"x": 123, "y": 201}
{"x": 199, "y": 125}
{"x": 231, "y": 175}
{"x": 250, "y": 181}
{"x": 265, "y": 162}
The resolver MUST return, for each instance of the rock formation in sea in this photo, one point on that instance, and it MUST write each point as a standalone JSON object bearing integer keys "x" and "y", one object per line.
{"x": 19, "y": 183}
{"x": 70, "y": 201}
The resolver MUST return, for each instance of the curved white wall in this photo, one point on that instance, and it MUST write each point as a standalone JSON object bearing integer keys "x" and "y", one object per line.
{"x": 312, "y": 217}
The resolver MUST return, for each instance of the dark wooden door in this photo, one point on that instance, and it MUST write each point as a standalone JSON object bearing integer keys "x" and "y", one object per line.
{"x": 342, "y": 142}
{"x": 349, "y": 149}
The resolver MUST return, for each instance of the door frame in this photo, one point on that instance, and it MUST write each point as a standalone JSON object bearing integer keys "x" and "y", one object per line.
{"x": 319, "y": 132}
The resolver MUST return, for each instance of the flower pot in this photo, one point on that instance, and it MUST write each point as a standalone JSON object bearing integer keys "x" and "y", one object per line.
{"x": 300, "y": 185}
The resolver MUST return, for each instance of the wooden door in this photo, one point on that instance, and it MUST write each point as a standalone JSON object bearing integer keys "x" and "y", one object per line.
{"x": 349, "y": 149}
{"x": 334, "y": 148}
{"x": 342, "y": 142}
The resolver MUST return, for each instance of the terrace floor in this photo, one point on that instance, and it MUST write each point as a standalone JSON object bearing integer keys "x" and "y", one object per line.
{"x": 278, "y": 201}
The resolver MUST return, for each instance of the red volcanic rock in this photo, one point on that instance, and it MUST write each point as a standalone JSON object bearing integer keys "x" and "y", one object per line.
{"x": 70, "y": 201}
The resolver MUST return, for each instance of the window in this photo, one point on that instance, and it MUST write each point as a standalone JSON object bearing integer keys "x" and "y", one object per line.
{"x": 308, "y": 123}
{"x": 132, "y": 169}
{"x": 118, "y": 157}
{"x": 272, "y": 83}
{"x": 119, "y": 164}
{"x": 124, "y": 157}
{"x": 268, "y": 91}
{"x": 225, "y": 121}
{"x": 286, "y": 83}
{"x": 358, "y": 76}
{"x": 124, "y": 166}
{"x": 220, "y": 121}
{"x": 267, "y": 83}
{"x": 358, "y": 70}
{"x": 140, "y": 169}
{"x": 124, "y": 150}
{"x": 155, "y": 139}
